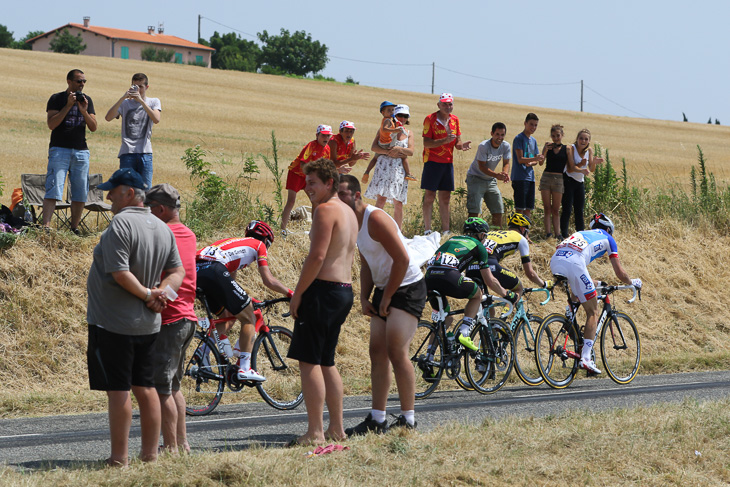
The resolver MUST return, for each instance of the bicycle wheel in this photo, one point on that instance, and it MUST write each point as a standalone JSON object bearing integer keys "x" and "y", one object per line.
{"x": 428, "y": 369}
{"x": 204, "y": 378}
{"x": 620, "y": 348}
{"x": 525, "y": 339}
{"x": 557, "y": 352}
{"x": 282, "y": 388}
{"x": 489, "y": 367}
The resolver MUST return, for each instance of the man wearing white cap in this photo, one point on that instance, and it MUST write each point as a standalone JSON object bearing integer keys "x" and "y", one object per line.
{"x": 343, "y": 150}
{"x": 441, "y": 135}
{"x": 317, "y": 149}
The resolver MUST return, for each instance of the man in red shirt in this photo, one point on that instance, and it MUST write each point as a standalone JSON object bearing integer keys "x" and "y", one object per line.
{"x": 217, "y": 265}
{"x": 343, "y": 150}
{"x": 178, "y": 321}
{"x": 316, "y": 149}
{"x": 441, "y": 135}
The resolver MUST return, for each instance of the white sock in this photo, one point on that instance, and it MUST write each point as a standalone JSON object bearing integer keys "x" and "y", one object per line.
{"x": 237, "y": 349}
{"x": 465, "y": 325}
{"x": 226, "y": 346}
{"x": 586, "y": 351}
{"x": 410, "y": 416}
{"x": 245, "y": 363}
{"x": 377, "y": 415}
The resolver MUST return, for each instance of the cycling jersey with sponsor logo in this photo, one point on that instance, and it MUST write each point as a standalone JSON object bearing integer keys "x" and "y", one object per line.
{"x": 459, "y": 252}
{"x": 503, "y": 243}
{"x": 235, "y": 253}
{"x": 588, "y": 244}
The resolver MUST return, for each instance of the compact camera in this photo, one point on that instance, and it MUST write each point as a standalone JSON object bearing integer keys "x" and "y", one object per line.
{"x": 79, "y": 96}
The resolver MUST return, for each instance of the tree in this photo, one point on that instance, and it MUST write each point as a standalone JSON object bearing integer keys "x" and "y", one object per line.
{"x": 717, "y": 122}
{"x": 21, "y": 44}
{"x": 684, "y": 117}
{"x": 294, "y": 53}
{"x": 67, "y": 43}
{"x": 234, "y": 53}
{"x": 6, "y": 37}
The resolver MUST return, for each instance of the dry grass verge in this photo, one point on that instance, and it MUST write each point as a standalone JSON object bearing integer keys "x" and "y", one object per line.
{"x": 667, "y": 444}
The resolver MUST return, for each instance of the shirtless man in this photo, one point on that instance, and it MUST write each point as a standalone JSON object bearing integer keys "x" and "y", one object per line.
{"x": 322, "y": 300}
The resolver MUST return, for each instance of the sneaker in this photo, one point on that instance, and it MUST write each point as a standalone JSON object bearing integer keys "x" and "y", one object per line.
{"x": 467, "y": 342}
{"x": 285, "y": 232}
{"x": 427, "y": 232}
{"x": 251, "y": 375}
{"x": 76, "y": 231}
{"x": 401, "y": 422}
{"x": 410, "y": 177}
{"x": 589, "y": 365}
{"x": 446, "y": 233}
{"x": 368, "y": 426}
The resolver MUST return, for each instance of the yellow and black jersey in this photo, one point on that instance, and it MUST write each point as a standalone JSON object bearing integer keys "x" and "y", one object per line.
{"x": 502, "y": 243}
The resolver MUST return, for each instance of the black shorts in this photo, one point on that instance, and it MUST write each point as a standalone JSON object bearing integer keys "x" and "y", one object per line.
{"x": 323, "y": 309}
{"x": 524, "y": 192}
{"x": 437, "y": 176}
{"x": 221, "y": 290}
{"x": 449, "y": 282}
{"x": 507, "y": 279}
{"x": 117, "y": 362}
{"x": 411, "y": 298}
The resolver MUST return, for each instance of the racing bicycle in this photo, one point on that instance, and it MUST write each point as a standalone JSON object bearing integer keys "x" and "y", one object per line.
{"x": 524, "y": 326}
{"x": 208, "y": 371}
{"x": 560, "y": 340}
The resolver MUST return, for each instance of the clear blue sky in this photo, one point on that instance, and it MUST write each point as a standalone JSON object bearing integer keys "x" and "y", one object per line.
{"x": 642, "y": 58}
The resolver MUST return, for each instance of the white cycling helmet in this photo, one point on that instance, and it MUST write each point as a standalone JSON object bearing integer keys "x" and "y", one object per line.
{"x": 601, "y": 221}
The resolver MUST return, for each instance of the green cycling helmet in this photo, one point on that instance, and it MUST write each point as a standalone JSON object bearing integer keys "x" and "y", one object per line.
{"x": 475, "y": 225}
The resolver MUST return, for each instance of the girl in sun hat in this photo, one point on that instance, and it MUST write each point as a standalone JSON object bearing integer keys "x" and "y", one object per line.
{"x": 295, "y": 182}
{"x": 389, "y": 182}
{"x": 343, "y": 148}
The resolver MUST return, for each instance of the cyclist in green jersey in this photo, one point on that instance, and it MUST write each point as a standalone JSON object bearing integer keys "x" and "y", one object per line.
{"x": 503, "y": 243}
{"x": 444, "y": 273}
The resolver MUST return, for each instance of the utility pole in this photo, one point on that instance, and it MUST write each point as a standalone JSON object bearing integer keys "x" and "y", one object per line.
{"x": 581, "y": 95}
{"x": 433, "y": 75}
{"x": 198, "y": 40}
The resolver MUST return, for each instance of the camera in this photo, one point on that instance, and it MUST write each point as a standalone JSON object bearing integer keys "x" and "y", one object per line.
{"x": 134, "y": 88}
{"x": 79, "y": 96}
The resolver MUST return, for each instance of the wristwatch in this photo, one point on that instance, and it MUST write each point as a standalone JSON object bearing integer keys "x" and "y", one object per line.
{"x": 148, "y": 295}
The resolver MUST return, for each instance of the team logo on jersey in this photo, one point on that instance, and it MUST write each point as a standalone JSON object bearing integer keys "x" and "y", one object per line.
{"x": 460, "y": 249}
{"x": 587, "y": 282}
{"x": 598, "y": 247}
{"x": 563, "y": 253}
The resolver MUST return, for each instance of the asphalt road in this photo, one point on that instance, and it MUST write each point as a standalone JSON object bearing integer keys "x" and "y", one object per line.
{"x": 60, "y": 441}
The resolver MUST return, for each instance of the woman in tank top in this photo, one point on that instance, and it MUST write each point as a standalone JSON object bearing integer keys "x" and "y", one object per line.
{"x": 551, "y": 181}
{"x": 581, "y": 162}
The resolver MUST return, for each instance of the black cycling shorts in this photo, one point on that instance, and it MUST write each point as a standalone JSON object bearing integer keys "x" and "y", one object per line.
{"x": 220, "y": 288}
{"x": 449, "y": 282}
{"x": 507, "y": 279}
{"x": 323, "y": 309}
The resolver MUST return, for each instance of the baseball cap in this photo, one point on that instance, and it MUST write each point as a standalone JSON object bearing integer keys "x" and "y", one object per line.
{"x": 402, "y": 109}
{"x": 125, "y": 176}
{"x": 446, "y": 98}
{"x": 163, "y": 194}
{"x": 347, "y": 125}
{"x": 386, "y": 104}
{"x": 324, "y": 129}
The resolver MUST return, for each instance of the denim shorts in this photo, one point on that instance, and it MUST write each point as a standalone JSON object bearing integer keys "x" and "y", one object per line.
{"x": 479, "y": 189}
{"x": 142, "y": 163}
{"x": 62, "y": 160}
{"x": 524, "y": 195}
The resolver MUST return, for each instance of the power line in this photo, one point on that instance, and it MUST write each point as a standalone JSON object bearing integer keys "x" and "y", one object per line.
{"x": 377, "y": 62}
{"x": 507, "y": 82}
{"x": 229, "y": 27}
{"x": 615, "y": 103}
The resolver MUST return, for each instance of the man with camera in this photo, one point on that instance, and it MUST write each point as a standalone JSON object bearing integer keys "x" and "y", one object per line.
{"x": 68, "y": 114}
{"x": 137, "y": 111}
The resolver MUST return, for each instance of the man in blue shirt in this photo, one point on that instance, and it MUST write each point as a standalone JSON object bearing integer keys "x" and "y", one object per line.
{"x": 525, "y": 154}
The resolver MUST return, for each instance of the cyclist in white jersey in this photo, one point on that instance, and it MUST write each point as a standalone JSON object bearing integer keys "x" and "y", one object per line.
{"x": 571, "y": 260}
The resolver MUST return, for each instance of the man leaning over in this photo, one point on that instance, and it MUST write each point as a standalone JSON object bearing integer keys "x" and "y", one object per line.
{"x": 125, "y": 298}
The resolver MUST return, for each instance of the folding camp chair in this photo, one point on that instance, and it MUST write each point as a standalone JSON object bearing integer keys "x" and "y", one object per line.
{"x": 95, "y": 204}
{"x": 34, "y": 189}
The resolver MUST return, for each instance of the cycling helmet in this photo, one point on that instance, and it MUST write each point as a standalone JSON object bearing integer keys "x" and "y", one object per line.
{"x": 475, "y": 225}
{"x": 261, "y": 231}
{"x": 601, "y": 221}
{"x": 519, "y": 220}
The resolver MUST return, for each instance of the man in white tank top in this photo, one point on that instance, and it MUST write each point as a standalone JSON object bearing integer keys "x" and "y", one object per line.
{"x": 396, "y": 306}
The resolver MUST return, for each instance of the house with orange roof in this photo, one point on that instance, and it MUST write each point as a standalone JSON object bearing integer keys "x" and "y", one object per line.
{"x": 126, "y": 44}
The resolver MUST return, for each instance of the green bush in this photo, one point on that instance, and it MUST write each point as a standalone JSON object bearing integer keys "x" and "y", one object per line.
{"x": 160, "y": 55}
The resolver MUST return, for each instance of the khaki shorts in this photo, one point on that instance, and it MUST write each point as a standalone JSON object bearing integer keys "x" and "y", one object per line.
{"x": 172, "y": 341}
{"x": 551, "y": 181}
{"x": 479, "y": 189}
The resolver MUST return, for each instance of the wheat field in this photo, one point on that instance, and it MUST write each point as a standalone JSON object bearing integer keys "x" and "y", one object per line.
{"x": 232, "y": 114}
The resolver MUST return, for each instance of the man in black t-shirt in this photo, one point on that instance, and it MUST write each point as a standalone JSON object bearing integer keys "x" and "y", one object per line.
{"x": 68, "y": 114}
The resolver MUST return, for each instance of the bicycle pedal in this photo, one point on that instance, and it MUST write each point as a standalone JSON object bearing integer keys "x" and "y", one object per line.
{"x": 590, "y": 373}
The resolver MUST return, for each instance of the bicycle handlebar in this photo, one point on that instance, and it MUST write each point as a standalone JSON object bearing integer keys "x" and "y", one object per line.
{"x": 545, "y": 290}
{"x": 606, "y": 289}
{"x": 492, "y": 301}
{"x": 270, "y": 302}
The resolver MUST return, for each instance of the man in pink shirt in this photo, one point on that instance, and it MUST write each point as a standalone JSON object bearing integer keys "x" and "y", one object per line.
{"x": 178, "y": 321}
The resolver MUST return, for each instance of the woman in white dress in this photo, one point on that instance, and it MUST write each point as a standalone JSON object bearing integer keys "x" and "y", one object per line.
{"x": 388, "y": 183}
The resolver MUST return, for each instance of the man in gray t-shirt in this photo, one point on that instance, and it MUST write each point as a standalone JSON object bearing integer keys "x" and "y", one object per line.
{"x": 138, "y": 113}
{"x": 481, "y": 178}
{"x": 125, "y": 297}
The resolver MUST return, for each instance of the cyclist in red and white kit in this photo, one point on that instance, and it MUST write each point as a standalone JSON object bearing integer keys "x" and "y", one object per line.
{"x": 217, "y": 265}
